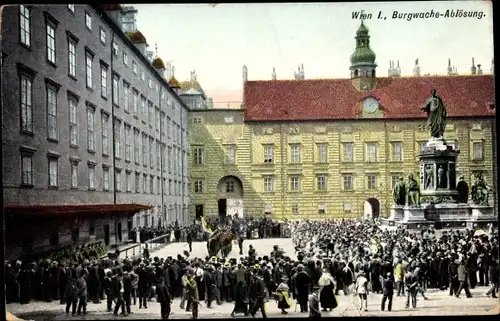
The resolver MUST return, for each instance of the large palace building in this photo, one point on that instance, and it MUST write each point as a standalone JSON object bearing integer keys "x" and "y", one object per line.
{"x": 94, "y": 137}
{"x": 334, "y": 148}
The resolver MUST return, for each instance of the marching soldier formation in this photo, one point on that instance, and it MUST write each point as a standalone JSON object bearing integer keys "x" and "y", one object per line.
{"x": 332, "y": 257}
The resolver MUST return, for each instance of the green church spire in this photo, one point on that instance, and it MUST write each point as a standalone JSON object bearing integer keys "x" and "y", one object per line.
{"x": 362, "y": 55}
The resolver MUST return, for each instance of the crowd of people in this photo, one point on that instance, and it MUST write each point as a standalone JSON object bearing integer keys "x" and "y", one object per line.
{"x": 351, "y": 257}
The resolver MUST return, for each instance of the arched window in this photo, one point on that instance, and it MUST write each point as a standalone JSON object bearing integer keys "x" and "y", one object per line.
{"x": 356, "y": 73}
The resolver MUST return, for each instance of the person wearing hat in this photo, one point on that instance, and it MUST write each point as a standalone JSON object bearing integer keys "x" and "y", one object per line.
{"x": 283, "y": 298}
{"x": 192, "y": 293}
{"x": 164, "y": 298}
{"x": 387, "y": 291}
{"x": 313, "y": 299}
{"x": 362, "y": 290}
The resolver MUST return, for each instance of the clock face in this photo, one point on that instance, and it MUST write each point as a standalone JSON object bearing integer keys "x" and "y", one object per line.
{"x": 371, "y": 105}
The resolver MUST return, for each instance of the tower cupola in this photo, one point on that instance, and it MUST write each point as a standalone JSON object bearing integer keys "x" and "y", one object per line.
{"x": 473, "y": 69}
{"x": 363, "y": 64}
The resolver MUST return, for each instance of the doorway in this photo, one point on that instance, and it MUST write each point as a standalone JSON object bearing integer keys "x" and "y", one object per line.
{"x": 119, "y": 236}
{"x": 130, "y": 225}
{"x": 199, "y": 211}
{"x": 372, "y": 209}
{"x": 75, "y": 235}
{"x": 222, "y": 205}
{"x": 106, "y": 234}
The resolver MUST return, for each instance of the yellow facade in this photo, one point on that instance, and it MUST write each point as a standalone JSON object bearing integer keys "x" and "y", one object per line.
{"x": 311, "y": 166}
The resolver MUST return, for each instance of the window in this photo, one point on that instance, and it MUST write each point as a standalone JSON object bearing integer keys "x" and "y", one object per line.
{"x": 230, "y": 154}
{"x": 143, "y": 106}
{"x": 421, "y": 146}
{"x": 230, "y": 187}
{"x": 72, "y": 57}
{"x": 198, "y": 186}
{"x": 137, "y": 146}
{"x": 268, "y": 154}
{"x": 170, "y": 160}
{"x": 348, "y": 152}
{"x": 395, "y": 179}
{"x": 198, "y": 156}
{"x": 116, "y": 90}
{"x": 26, "y": 104}
{"x": 134, "y": 67}
{"x": 151, "y": 112}
{"x": 51, "y": 42}
{"x": 91, "y": 129}
{"x": 137, "y": 182}
{"x": 125, "y": 58}
{"x": 53, "y": 169}
{"x": 73, "y": 121}
{"x": 322, "y": 156}
{"x": 128, "y": 143}
{"x": 371, "y": 152}
{"x": 157, "y": 119}
{"x": 321, "y": 182}
{"x": 158, "y": 155}
{"x": 25, "y": 25}
{"x": 27, "y": 169}
{"x": 51, "y": 114}
{"x": 128, "y": 178}
{"x": 322, "y": 209}
{"x": 126, "y": 99}
{"x": 115, "y": 49}
{"x": 102, "y": 35}
{"x": 295, "y": 183}
{"x": 477, "y": 150}
{"x": 118, "y": 180}
{"x": 150, "y": 83}
{"x": 295, "y": 153}
{"x": 397, "y": 152}
{"x": 145, "y": 142}
{"x": 169, "y": 127}
{"x": 151, "y": 152}
{"x": 88, "y": 21}
{"x": 170, "y": 190}
{"x": 145, "y": 185}
{"x": 135, "y": 100}
{"x": 142, "y": 75}
{"x": 348, "y": 182}
{"x": 117, "y": 132}
{"x": 74, "y": 174}
{"x": 105, "y": 134}
{"x": 347, "y": 208}
{"x": 104, "y": 82}
{"x": 158, "y": 185}
{"x": 197, "y": 120}
{"x": 71, "y": 7}
{"x": 295, "y": 209}
{"x": 268, "y": 184}
{"x": 371, "y": 181}
{"x": 88, "y": 69}
{"x": 105, "y": 178}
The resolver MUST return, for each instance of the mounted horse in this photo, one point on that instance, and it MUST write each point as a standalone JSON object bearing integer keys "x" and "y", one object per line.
{"x": 221, "y": 241}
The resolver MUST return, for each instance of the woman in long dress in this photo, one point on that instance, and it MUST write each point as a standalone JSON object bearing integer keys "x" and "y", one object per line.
{"x": 327, "y": 292}
{"x": 283, "y": 297}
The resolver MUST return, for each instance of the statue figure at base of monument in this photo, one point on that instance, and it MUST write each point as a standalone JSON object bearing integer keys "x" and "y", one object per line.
{"x": 413, "y": 192}
{"x": 463, "y": 191}
{"x": 399, "y": 192}
{"x": 436, "y": 115}
{"x": 480, "y": 191}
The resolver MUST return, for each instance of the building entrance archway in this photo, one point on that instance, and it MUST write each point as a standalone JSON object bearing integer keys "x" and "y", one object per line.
{"x": 230, "y": 200}
{"x": 372, "y": 209}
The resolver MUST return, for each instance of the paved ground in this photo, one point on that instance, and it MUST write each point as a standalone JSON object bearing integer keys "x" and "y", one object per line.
{"x": 439, "y": 303}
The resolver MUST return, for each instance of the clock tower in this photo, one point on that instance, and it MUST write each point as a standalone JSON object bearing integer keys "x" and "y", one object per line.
{"x": 363, "y": 64}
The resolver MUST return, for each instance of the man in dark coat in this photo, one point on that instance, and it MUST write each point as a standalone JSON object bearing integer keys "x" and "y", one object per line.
{"x": 189, "y": 239}
{"x": 257, "y": 294}
{"x": 143, "y": 286}
{"x": 463, "y": 191}
{"x": 127, "y": 290}
{"x": 302, "y": 285}
{"x": 164, "y": 298}
{"x": 387, "y": 291}
{"x": 118, "y": 292}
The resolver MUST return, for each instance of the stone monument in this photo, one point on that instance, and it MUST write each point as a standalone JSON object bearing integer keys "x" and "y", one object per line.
{"x": 437, "y": 199}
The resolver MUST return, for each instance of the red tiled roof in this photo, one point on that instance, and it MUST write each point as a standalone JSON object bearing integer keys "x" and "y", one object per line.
{"x": 335, "y": 99}
{"x": 84, "y": 209}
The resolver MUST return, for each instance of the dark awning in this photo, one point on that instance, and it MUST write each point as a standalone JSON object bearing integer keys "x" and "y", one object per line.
{"x": 33, "y": 211}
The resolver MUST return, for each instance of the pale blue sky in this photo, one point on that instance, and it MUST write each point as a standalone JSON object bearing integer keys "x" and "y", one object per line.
{"x": 217, "y": 41}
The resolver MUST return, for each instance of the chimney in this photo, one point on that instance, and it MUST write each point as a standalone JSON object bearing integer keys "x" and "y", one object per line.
{"x": 129, "y": 19}
{"x": 149, "y": 55}
{"x": 273, "y": 75}
{"x": 193, "y": 76}
{"x": 245, "y": 73}
{"x": 479, "y": 70}
{"x": 302, "y": 75}
{"x": 416, "y": 69}
{"x": 450, "y": 69}
{"x": 389, "y": 71}
{"x": 473, "y": 67}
